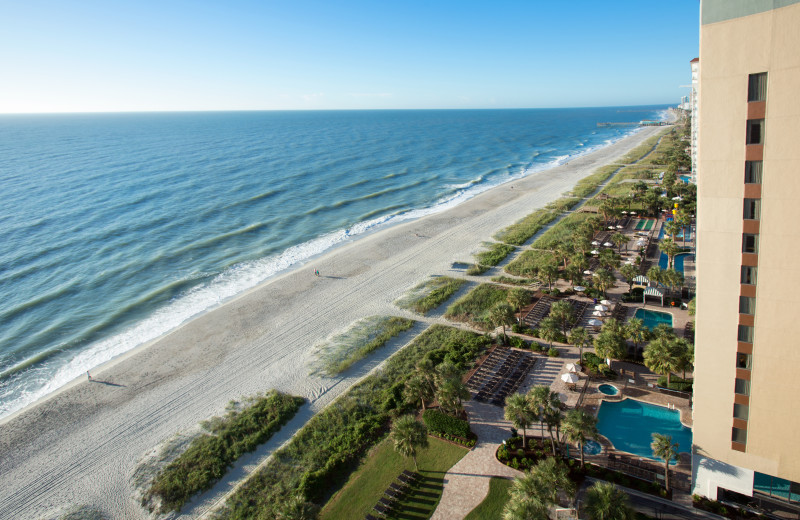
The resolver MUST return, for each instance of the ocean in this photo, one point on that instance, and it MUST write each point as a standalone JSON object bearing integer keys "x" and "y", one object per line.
{"x": 117, "y": 228}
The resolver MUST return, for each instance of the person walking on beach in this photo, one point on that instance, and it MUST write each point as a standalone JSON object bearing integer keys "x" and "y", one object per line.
{"x": 88, "y": 375}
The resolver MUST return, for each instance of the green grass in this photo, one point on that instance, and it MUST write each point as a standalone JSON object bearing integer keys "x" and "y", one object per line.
{"x": 430, "y": 294}
{"x": 364, "y": 337}
{"x": 366, "y": 486}
{"x": 477, "y": 269}
{"x": 473, "y": 306}
{"x": 495, "y": 254}
{"x": 513, "y": 281}
{"x": 520, "y": 232}
{"x": 492, "y": 506}
{"x": 208, "y": 457}
{"x": 587, "y": 185}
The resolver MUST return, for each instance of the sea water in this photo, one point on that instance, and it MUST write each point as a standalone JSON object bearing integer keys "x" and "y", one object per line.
{"x": 116, "y": 228}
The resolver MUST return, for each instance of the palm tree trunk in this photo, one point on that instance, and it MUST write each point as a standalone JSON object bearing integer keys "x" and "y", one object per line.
{"x": 580, "y": 447}
{"x": 666, "y": 475}
{"x": 423, "y": 404}
{"x": 415, "y": 462}
{"x": 668, "y": 378}
{"x": 524, "y": 439}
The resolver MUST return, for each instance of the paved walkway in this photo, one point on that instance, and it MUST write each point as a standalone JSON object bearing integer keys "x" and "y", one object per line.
{"x": 467, "y": 483}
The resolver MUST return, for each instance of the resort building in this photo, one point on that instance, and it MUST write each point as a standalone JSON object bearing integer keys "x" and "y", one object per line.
{"x": 746, "y": 413}
{"x": 693, "y": 100}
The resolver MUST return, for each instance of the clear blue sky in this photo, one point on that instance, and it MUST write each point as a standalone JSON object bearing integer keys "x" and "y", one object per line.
{"x": 109, "y": 55}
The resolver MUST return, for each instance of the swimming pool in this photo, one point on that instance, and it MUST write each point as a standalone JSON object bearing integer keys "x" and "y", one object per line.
{"x": 607, "y": 389}
{"x": 677, "y": 262}
{"x": 629, "y": 425}
{"x": 591, "y": 447}
{"x": 653, "y": 318}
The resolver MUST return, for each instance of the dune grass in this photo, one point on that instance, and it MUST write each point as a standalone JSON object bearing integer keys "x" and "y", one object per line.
{"x": 364, "y": 337}
{"x": 495, "y": 254}
{"x": 492, "y": 506}
{"x": 513, "y": 281}
{"x": 473, "y": 307}
{"x": 209, "y": 456}
{"x": 430, "y": 294}
{"x": 366, "y": 486}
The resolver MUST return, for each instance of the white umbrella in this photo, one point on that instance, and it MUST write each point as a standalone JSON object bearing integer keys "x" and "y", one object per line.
{"x": 633, "y": 213}
{"x": 629, "y": 262}
{"x": 573, "y": 367}
{"x": 595, "y": 243}
{"x": 677, "y": 198}
{"x": 624, "y": 212}
{"x": 595, "y": 323}
{"x": 602, "y": 308}
{"x": 610, "y": 227}
{"x": 605, "y": 302}
{"x": 608, "y": 244}
{"x": 580, "y": 288}
{"x": 594, "y": 252}
{"x": 570, "y": 378}
{"x": 597, "y": 313}
{"x": 620, "y": 227}
{"x": 587, "y": 272}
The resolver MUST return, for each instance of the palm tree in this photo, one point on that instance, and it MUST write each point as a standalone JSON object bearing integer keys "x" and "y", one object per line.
{"x": 669, "y": 248}
{"x": 546, "y": 406}
{"x": 547, "y": 272}
{"x": 672, "y": 228}
{"x": 520, "y": 507}
{"x": 518, "y": 298}
{"x": 605, "y": 501}
{"x": 664, "y": 448}
{"x": 673, "y": 278}
{"x": 533, "y": 493}
{"x": 662, "y": 330}
{"x": 629, "y": 272}
{"x": 409, "y": 435}
{"x": 574, "y": 274}
{"x": 619, "y": 240}
{"x": 501, "y": 315}
{"x": 549, "y": 330}
{"x": 537, "y": 396}
{"x": 580, "y": 426}
{"x": 581, "y": 243}
{"x": 579, "y": 337}
{"x": 427, "y": 371}
{"x": 447, "y": 370}
{"x": 655, "y": 274}
{"x": 551, "y": 477}
{"x": 564, "y": 313}
{"x": 660, "y": 357}
{"x": 450, "y": 395}
{"x": 608, "y": 259}
{"x": 685, "y": 354}
{"x": 635, "y": 331}
{"x": 518, "y": 411}
{"x": 604, "y": 280}
{"x": 563, "y": 251}
{"x": 418, "y": 389}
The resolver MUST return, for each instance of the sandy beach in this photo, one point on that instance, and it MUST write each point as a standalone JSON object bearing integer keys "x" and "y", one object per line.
{"x": 81, "y": 445}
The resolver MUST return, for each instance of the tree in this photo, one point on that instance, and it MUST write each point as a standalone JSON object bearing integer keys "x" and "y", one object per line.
{"x": 574, "y": 274}
{"x": 604, "y": 280}
{"x": 669, "y": 248}
{"x": 610, "y": 345}
{"x": 501, "y": 315}
{"x": 605, "y": 501}
{"x": 672, "y": 228}
{"x": 635, "y": 331}
{"x": 693, "y": 306}
{"x": 296, "y": 508}
{"x": 546, "y": 406}
{"x": 664, "y": 448}
{"x": 563, "y": 251}
{"x": 450, "y": 395}
{"x": 655, "y": 274}
{"x": 662, "y": 330}
{"x": 608, "y": 259}
{"x": 685, "y": 354}
{"x": 581, "y": 243}
{"x": 653, "y": 201}
{"x": 547, "y": 272}
{"x": 548, "y": 330}
{"x": 579, "y": 337}
{"x": 629, "y": 272}
{"x": 518, "y": 411}
{"x": 518, "y": 298}
{"x": 521, "y": 507}
{"x": 418, "y": 389}
{"x": 427, "y": 371}
{"x": 447, "y": 370}
{"x": 534, "y": 492}
{"x": 580, "y": 426}
{"x": 408, "y": 436}
{"x": 684, "y": 219}
{"x": 564, "y": 313}
{"x": 619, "y": 240}
{"x": 661, "y": 357}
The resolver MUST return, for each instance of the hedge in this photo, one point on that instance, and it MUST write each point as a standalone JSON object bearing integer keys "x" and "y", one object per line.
{"x": 439, "y": 422}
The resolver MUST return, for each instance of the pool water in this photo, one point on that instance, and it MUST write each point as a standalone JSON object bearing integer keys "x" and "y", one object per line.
{"x": 677, "y": 262}
{"x": 629, "y": 425}
{"x": 608, "y": 389}
{"x": 653, "y": 318}
{"x": 591, "y": 447}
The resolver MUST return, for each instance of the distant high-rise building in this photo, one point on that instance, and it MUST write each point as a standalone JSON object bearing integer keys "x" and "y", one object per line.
{"x": 747, "y": 385}
{"x": 693, "y": 100}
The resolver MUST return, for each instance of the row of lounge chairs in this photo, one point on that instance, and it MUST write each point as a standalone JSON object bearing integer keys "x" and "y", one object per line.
{"x": 688, "y": 331}
{"x": 393, "y": 493}
{"x": 620, "y": 312}
{"x": 539, "y": 311}
{"x": 501, "y": 374}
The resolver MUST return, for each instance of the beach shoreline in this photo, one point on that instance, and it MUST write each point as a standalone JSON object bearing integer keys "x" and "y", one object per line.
{"x": 91, "y": 435}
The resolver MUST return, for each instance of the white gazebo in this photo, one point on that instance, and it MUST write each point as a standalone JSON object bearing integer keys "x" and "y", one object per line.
{"x": 653, "y": 291}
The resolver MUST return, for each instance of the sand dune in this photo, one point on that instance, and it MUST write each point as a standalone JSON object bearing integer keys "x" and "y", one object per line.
{"x": 81, "y": 445}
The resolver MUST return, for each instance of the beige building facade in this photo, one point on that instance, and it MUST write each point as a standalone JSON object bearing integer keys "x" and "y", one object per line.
{"x": 746, "y": 430}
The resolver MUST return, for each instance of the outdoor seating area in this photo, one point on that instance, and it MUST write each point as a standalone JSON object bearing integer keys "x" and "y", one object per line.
{"x": 393, "y": 493}
{"x": 539, "y": 311}
{"x": 500, "y": 374}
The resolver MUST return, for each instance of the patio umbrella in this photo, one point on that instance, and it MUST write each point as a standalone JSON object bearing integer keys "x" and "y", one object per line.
{"x": 620, "y": 227}
{"x": 610, "y": 227}
{"x": 579, "y": 288}
{"x": 624, "y": 212}
{"x": 633, "y": 213}
{"x": 594, "y": 252}
{"x": 595, "y": 323}
{"x": 605, "y": 302}
{"x": 677, "y": 198}
{"x": 597, "y": 313}
{"x": 601, "y": 308}
{"x": 587, "y": 272}
{"x": 570, "y": 378}
{"x": 595, "y": 243}
{"x": 608, "y": 244}
{"x": 573, "y": 367}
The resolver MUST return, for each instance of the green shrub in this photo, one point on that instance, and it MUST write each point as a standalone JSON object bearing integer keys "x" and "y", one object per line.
{"x": 439, "y": 422}
{"x": 502, "y": 452}
{"x": 517, "y": 342}
{"x": 553, "y": 352}
{"x": 496, "y": 254}
{"x": 477, "y": 269}
{"x": 473, "y": 307}
{"x": 430, "y": 294}
{"x": 208, "y": 457}
{"x": 682, "y": 385}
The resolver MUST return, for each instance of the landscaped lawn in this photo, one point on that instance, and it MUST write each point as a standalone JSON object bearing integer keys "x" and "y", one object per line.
{"x": 492, "y": 506}
{"x": 366, "y": 486}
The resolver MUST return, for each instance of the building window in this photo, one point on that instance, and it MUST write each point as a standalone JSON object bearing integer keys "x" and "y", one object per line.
{"x": 747, "y": 305}
{"x": 745, "y": 333}
{"x": 742, "y": 386}
{"x": 743, "y": 360}
{"x": 741, "y": 411}
{"x": 749, "y": 274}
{"x": 755, "y": 131}
{"x": 757, "y": 87}
{"x": 776, "y": 487}
{"x": 739, "y": 435}
{"x": 749, "y": 243}
{"x": 752, "y": 209}
{"x": 752, "y": 172}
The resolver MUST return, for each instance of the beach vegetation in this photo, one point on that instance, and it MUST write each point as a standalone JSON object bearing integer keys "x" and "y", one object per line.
{"x": 587, "y": 185}
{"x": 439, "y": 422}
{"x": 430, "y": 294}
{"x": 477, "y": 269}
{"x": 209, "y": 456}
{"x": 324, "y": 453}
{"x": 357, "y": 342}
{"x": 522, "y": 231}
{"x": 496, "y": 499}
{"x": 496, "y": 253}
{"x": 474, "y": 307}
{"x": 507, "y": 280}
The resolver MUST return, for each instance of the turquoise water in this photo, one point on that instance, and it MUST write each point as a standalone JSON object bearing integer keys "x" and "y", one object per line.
{"x": 629, "y": 425}
{"x": 608, "y": 389}
{"x": 116, "y": 228}
{"x": 591, "y": 447}
{"x": 677, "y": 262}
{"x": 653, "y": 318}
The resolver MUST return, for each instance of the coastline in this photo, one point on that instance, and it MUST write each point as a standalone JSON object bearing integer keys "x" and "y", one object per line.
{"x": 91, "y": 435}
